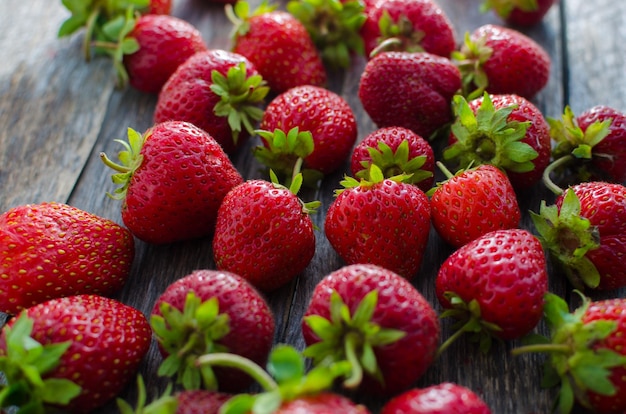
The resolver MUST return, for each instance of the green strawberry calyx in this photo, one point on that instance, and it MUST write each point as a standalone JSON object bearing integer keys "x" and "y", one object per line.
{"x": 130, "y": 159}
{"x": 165, "y": 404}
{"x": 371, "y": 177}
{"x": 240, "y": 14}
{"x": 25, "y": 363}
{"x": 295, "y": 185}
{"x": 503, "y": 8}
{"x": 188, "y": 334}
{"x": 470, "y": 59}
{"x": 577, "y": 359}
{"x": 398, "y": 35}
{"x": 568, "y": 237}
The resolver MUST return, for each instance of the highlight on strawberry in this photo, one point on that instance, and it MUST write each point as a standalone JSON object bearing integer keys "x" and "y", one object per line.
{"x": 440, "y": 398}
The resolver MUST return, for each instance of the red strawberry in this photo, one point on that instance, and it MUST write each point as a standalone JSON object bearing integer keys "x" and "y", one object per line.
{"x": 494, "y": 285}
{"x": 322, "y": 403}
{"x": 50, "y": 250}
{"x": 173, "y": 179}
{"x": 264, "y": 233}
{"x": 277, "y": 44}
{"x": 408, "y": 25}
{"x": 365, "y": 309}
{"x": 507, "y": 131}
{"x": 519, "y": 12}
{"x": 218, "y": 91}
{"x": 382, "y": 221}
{"x": 444, "y": 398}
{"x": 81, "y": 353}
{"x": 160, "y": 7}
{"x": 472, "y": 203}
{"x": 395, "y": 150}
{"x": 501, "y": 60}
{"x": 585, "y": 232}
{"x": 216, "y": 312}
{"x": 410, "y": 90}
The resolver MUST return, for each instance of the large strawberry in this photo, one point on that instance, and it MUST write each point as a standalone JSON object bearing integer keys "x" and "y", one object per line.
{"x": 379, "y": 220}
{"x": 474, "y": 202}
{"x": 519, "y": 12}
{"x": 218, "y": 91}
{"x": 507, "y": 131}
{"x": 277, "y": 44}
{"x": 377, "y": 321}
{"x": 50, "y": 250}
{"x": 211, "y": 311}
{"x": 585, "y": 232}
{"x": 444, "y": 398}
{"x": 495, "y": 286}
{"x": 172, "y": 181}
{"x": 76, "y": 352}
{"x": 410, "y": 90}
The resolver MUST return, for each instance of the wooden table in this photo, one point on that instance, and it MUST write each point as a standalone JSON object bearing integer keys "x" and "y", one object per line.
{"x": 57, "y": 113}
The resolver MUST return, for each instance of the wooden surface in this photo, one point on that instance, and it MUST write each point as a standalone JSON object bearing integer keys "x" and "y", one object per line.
{"x": 57, "y": 113}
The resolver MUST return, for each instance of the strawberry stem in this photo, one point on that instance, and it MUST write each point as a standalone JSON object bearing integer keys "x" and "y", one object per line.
{"x": 566, "y": 159}
{"x": 356, "y": 371}
{"x": 225, "y": 359}
{"x": 553, "y": 348}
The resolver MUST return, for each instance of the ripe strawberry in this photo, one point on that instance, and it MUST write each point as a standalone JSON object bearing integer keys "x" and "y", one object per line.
{"x": 506, "y": 131}
{"x": 587, "y": 354}
{"x": 408, "y": 25}
{"x": 277, "y": 44}
{"x": 159, "y": 7}
{"x": 519, "y": 12}
{"x": 410, "y": 90}
{"x": 211, "y": 311}
{"x": 502, "y": 60}
{"x": 395, "y": 150}
{"x": 585, "y": 232}
{"x": 173, "y": 179}
{"x": 472, "y": 203}
{"x": 51, "y": 250}
{"x": 363, "y": 227}
{"x": 380, "y": 319}
{"x": 494, "y": 285}
{"x": 218, "y": 91}
{"x": 444, "y": 398}
{"x": 264, "y": 233}
{"x": 76, "y": 352}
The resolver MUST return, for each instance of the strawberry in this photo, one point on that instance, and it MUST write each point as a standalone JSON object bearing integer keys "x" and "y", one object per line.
{"x": 494, "y": 285}
{"x": 585, "y": 232}
{"x": 523, "y": 13}
{"x": 441, "y": 398}
{"x": 277, "y": 44}
{"x": 410, "y": 90}
{"x": 264, "y": 233}
{"x": 408, "y": 25}
{"x": 218, "y": 91}
{"x": 382, "y": 221}
{"x": 474, "y": 202}
{"x": 587, "y": 354}
{"x": 506, "y": 131}
{"x": 395, "y": 150}
{"x": 76, "y": 352}
{"x": 172, "y": 181}
{"x": 501, "y": 60}
{"x": 50, "y": 250}
{"x": 210, "y": 311}
{"x": 376, "y": 320}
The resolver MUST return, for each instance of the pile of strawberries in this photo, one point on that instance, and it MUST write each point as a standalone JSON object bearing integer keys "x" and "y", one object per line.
{"x": 462, "y": 110}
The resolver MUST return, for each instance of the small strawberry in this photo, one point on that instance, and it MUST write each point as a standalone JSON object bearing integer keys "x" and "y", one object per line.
{"x": 76, "y": 352}
{"x": 585, "y": 232}
{"x": 218, "y": 91}
{"x": 444, "y": 398}
{"x": 379, "y": 220}
{"x": 277, "y": 44}
{"x": 501, "y": 60}
{"x": 51, "y": 250}
{"x": 587, "y": 354}
{"x": 495, "y": 286}
{"x": 377, "y": 321}
{"x": 410, "y": 90}
{"x": 211, "y": 311}
{"x": 474, "y": 202}
{"x": 506, "y": 131}
{"x": 172, "y": 181}
{"x": 519, "y": 12}
{"x": 396, "y": 151}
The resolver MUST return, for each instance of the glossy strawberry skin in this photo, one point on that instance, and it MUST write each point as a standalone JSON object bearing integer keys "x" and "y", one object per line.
{"x": 323, "y": 403}
{"x": 519, "y": 17}
{"x": 160, "y": 7}
{"x": 444, "y": 398}
{"x": 200, "y": 401}
{"x": 473, "y": 203}
{"x": 51, "y": 250}
{"x": 109, "y": 340}
{"x": 410, "y": 90}
{"x": 165, "y": 42}
{"x": 505, "y": 272}
{"x": 263, "y": 235}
